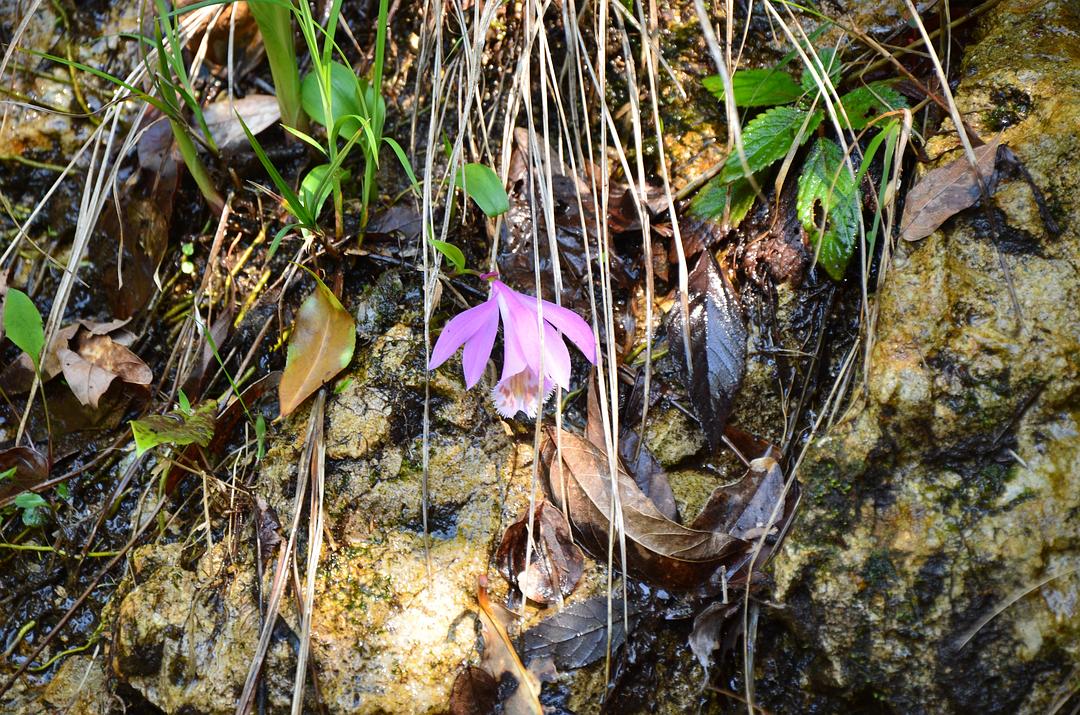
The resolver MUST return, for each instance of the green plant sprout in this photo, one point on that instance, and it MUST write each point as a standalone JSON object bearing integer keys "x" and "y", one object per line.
{"x": 274, "y": 18}
{"x": 829, "y": 199}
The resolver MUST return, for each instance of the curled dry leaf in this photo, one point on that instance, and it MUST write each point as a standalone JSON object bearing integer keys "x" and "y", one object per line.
{"x": 474, "y": 692}
{"x": 577, "y": 635}
{"x": 259, "y": 112}
{"x": 640, "y": 463}
{"x": 501, "y": 660}
{"x": 557, "y": 563}
{"x": 659, "y": 549}
{"x": 320, "y": 347}
{"x": 947, "y": 190}
{"x": 93, "y": 360}
{"x": 267, "y": 526}
{"x": 717, "y": 335}
{"x": 708, "y": 626}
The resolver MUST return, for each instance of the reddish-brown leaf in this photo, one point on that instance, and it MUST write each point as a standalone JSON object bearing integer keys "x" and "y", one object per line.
{"x": 31, "y": 469}
{"x": 321, "y": 346}
{"x": 947, "y": 190}
{"x": 474, "y": 692}
{"x": 556, "y": 564}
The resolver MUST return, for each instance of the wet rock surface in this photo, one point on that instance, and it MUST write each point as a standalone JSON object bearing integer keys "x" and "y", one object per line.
{"x": 951, "y": 485}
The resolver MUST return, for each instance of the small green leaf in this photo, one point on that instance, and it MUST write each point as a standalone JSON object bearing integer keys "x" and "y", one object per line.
{"x": 344, "y": 98}
{"x": 315, "y": 189}
{"x": 63, "y": 490}
{"x": 35, "y": 517}
{"x": 452, "y": 253}
{"x": 184, "y": 402}
{"x": 828, "y": 195}
{"x": 483, "y": 185}
{"x": 29, "y": 500}
{"x": 831, "y": 61}
{"x": 767, "y": 138}
{"x": 757, "y": 87}
{"x": 175, "y": 428}
{"x": 865, "y": 104}
{"x": 23, "y": 325}
{"x": 260, "y": 436}
{"x": 715, "y": 198}
{"x": 7, "y": 473}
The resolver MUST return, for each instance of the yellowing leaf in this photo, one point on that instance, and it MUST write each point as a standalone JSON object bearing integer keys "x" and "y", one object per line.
{"x": 321, "y": 345}
{"x": 175, "y": 428}
{"x": 500, "y": 658}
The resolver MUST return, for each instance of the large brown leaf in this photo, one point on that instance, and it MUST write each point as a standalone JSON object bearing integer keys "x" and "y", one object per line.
{"x": 320, "y": 347}
{"x": 658, "y": 549}
{"x": 947, "y": 190}
{"x": 639, "y": 462}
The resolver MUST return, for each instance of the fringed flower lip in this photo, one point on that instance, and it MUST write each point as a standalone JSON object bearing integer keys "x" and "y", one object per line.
{"x": 520, "y": 389}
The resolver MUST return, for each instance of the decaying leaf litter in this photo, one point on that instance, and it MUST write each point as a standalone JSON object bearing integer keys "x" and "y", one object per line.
{"x": 196, "y": 315}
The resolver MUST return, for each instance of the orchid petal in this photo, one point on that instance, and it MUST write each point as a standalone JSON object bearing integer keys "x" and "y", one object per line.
{"x": 572, "y": 326}
{"x": 556, "y": 358}
{"x": 566, "y": 322}
{"x": 459, "y": 330}
{"x": 477, "y": 352}
{"x": 519, "y": 352}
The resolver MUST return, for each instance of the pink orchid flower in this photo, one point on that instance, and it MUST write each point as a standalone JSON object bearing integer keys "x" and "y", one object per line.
{"x": 520, "y": 388}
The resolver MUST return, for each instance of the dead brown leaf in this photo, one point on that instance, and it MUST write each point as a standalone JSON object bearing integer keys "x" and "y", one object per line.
{"x": 501, "y": 659}
{"x": 259, "y": 112}
{"x": 95, "y": 362}
{"x": 474, "y": 692}
{"x": 658, "y": 549}
{"x": 31, "y": 469}
{"x": 320, "y": 347}
{"x": 557, "y": 563}
{"x": 947, "y": 190}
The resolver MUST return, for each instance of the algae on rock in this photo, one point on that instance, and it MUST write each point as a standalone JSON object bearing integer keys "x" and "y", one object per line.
{"x": 954, "y": 482}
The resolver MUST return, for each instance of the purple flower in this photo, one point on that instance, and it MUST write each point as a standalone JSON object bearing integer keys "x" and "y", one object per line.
{"x": 520, "y": 388}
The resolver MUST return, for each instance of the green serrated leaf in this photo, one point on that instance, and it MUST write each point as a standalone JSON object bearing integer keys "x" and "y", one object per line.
{"x": 715, "y": 198}
{"x": 452, "y": 253}
{"x": 175, "y": 428}
{"x": 484, "y": 187}
{"x": 767, "y": 138}
{"x": 22, "y": 323}
{"x": 828, "y": 194}
{"x": 865, "y": 104}
{"x": 830, "y": 59}
{"x": 757, "y": 87}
